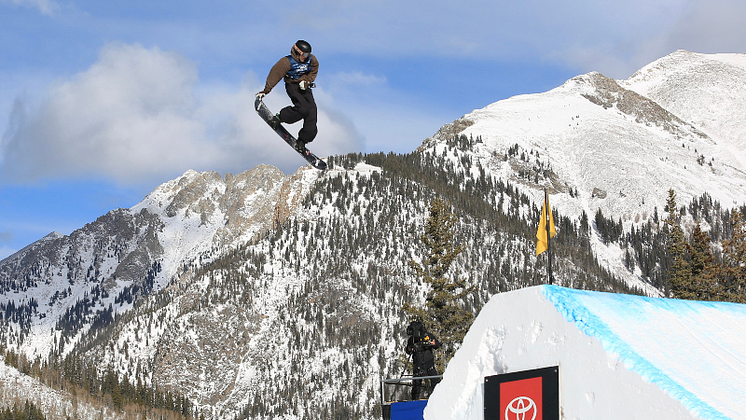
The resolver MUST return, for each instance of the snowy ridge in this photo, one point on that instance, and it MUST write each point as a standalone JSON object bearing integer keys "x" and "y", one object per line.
{"x": 704, "y": 89}
{"x": 203, "y": 210}
{"x": 620, "y": 356}
{"x": 587, "y": 134}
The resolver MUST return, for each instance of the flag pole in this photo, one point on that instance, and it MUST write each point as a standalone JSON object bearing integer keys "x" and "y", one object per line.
{"x": 544, "y": 234}
{"x": 549, "y": 243}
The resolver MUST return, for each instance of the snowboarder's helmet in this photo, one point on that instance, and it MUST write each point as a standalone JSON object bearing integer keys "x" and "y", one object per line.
{"x": 303, "y": 46}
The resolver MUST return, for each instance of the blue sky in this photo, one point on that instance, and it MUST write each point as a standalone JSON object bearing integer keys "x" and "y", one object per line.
{"x": 100, "y": 102}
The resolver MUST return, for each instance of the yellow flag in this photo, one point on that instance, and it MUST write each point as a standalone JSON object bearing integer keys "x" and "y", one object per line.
{"x": 543, "y": 243}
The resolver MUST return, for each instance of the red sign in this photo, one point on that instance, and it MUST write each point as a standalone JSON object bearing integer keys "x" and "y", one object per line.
{"x": 526, "y": 395}
{"x": 521, "y": 400}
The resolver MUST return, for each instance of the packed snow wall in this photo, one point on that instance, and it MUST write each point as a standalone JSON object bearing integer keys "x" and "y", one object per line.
{"x": 620, "y": 356}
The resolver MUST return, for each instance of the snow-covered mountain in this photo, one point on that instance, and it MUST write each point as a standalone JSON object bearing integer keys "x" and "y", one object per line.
{"x": 675, "y": 124}
{"x": 127, "y": 253}
{"x": 279, "y": 296}
{"x": 619, "y": 146}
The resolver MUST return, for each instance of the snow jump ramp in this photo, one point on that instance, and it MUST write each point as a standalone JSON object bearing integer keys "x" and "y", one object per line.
{"x": 619, "y": 356}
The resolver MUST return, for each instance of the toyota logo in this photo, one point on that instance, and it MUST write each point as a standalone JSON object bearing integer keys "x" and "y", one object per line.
{"x": 521, "y": 408}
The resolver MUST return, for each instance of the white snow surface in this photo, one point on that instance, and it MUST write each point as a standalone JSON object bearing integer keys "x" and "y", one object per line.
{"x": 706, "y": 90}
{"x": 620, "y": 356}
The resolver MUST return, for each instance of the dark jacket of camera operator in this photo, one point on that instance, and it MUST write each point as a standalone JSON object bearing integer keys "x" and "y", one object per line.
{"x": 421, "y": 349}
{"x": 421, "y": 345}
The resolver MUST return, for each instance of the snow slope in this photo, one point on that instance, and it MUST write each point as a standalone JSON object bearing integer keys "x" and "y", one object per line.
{"x": 706, "y": 90}
{"x": 15, "y": 387}
{"x": 620, "y": 356}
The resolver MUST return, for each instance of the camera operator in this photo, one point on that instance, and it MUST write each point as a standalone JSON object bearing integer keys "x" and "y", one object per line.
{"x": 421, "y": 345}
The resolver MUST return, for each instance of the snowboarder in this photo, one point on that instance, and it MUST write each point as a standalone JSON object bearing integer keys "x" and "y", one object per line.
{"x": 421, "y": 345}
{"x": 299, "y": 70}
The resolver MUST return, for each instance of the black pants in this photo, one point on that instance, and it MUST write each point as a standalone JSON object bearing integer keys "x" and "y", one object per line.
{"x": 417, "y": 383}
{"x": 303, "y": 108}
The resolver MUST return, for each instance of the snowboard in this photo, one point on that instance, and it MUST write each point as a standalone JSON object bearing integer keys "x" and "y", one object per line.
{"x": 267, "y": 116}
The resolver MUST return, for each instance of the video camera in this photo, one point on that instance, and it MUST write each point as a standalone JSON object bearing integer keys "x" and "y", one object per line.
{"x": 419, "y": 334}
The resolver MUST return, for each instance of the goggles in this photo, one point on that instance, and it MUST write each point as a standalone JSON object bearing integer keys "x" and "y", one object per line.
{"x": 300, "y": 53}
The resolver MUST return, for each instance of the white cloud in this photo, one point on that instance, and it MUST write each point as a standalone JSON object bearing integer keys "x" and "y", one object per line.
{"x": 710, "y": 26}
{"x": 614, "y": 37}
{"x": 140, "y": 113}
{"x": 357, "y": 78}
{"x": 634, "y": 34}
{"x": 130, "y": 112}
{"x": 6, "y": 252}
{"x": 47, "y": 7}
{"x": 390, "y": 119}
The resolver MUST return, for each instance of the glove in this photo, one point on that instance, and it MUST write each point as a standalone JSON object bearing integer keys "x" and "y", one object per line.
{"x": 260, "y": 95}
{"x": 303, "y": 84}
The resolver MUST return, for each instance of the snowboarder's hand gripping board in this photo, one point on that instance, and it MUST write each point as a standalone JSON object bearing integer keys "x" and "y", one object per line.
{"x": 267, "y": 116}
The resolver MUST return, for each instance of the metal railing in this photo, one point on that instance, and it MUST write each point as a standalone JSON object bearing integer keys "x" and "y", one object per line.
{"x": 403, "y": 381}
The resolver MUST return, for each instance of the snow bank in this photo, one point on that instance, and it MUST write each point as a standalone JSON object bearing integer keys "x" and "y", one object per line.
{"x": 620, "y": 356}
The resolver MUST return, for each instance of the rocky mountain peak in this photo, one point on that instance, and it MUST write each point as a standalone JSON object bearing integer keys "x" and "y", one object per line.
{"x": 607, "y": 93}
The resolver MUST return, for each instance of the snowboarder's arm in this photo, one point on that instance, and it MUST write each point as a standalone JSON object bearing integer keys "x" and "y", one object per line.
{"x": 276, "y": 74}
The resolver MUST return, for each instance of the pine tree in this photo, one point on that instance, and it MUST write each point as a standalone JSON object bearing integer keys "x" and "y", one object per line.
{"x": 734, "y": 260}
{"x": 679, "y": 274}
{"x": 443, "y": 314}
{"x": 704, "y": 269}
{"x": 116, "y": 397}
